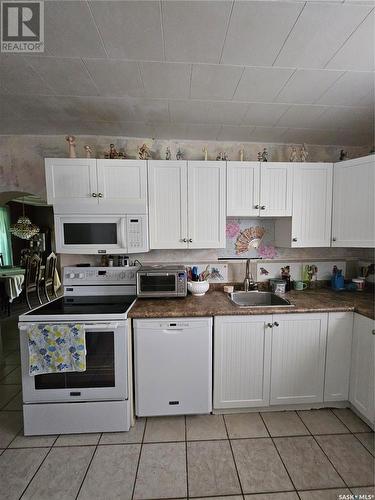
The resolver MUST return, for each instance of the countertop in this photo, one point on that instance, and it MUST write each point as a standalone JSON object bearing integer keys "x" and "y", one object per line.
{"x": 217, "y": 303}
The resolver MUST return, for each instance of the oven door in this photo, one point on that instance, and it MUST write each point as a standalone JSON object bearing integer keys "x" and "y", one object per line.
{"x": 90, "y": 234}
{"x": 156, "y": 284}
{"x": 106, "y": 375}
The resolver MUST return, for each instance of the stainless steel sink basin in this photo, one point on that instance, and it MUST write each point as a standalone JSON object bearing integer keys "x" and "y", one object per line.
{"x": 258, "y": 299}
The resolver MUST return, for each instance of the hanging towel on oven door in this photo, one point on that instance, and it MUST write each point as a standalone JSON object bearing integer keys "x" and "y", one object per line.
{"x": 56, "y": 348}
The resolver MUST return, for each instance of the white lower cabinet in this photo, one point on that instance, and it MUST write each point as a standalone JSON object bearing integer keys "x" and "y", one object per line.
{"x": 338, "y": 356}
{"x": 242, "y": 355}
{"x": 298, "y": 356}
{"x": 362, "y": 385}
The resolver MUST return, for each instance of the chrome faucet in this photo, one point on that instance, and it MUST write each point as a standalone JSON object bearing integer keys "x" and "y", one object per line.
{"x": 249, "y": 283}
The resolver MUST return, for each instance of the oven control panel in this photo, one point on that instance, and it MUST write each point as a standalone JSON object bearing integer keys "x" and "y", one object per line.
{"x": 100, "y": 275}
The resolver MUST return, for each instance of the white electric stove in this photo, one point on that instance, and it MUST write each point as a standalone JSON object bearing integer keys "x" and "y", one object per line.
{"x": 97, "y": 400}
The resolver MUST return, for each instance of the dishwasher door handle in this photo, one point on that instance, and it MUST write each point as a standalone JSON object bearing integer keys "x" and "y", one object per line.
{"x": 172, "y": 330}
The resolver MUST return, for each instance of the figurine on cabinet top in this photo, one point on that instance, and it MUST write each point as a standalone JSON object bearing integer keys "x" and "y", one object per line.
{"x": 222, "y": 156}
{"x": 293, "y": 155}
{"x": 144, "y": 152}
{"x": 71, "y": 140}
{"x": 304, "y": 153}
{"x": 205, "y": 152}
{"x": 241, "y": 154}
{"x": 179, "y": 154}
{"x": 168, "y": 155}
{"x": 343, "y": 155}
{"x": 113, "y": 154}
{"x": 88, "y": 151}
{"x": 263, "y": 156}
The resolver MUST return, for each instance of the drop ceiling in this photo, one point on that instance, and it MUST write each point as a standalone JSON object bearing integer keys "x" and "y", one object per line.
{"x": 264, "y": 71}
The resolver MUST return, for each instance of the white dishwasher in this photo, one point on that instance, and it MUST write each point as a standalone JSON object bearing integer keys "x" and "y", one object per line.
{"x": 173, "y": 366}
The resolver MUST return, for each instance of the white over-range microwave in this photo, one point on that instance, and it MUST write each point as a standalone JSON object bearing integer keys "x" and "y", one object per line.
{"x": 101, "y": 234}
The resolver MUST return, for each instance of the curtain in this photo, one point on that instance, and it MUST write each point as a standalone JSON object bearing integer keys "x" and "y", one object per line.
{"x": 5, "y": 242}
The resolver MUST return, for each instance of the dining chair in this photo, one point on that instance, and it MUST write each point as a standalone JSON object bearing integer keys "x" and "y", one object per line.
{"x": 32, "y": 278}
{"x": 1, "y": 260}
{"x": 49, "y": 275}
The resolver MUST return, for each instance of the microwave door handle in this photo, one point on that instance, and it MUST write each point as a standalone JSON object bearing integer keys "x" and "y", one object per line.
{"x": 123, "y": 229}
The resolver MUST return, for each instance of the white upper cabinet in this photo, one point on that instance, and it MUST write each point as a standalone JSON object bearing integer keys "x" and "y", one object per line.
{"x": 71, "y": 184}
{"x": 276, "y": 184}
{"x": 167, "y": 181}
{"x": 187, "y": 204}
{"x": 298, "y": 358}
{"x": 310, "y": 224}
{"x": 338, "y": 356}
{"x": 122, "y": 182}
{"x": 206, "y": 204}
{"x": 362, "y": 375}
{"x": 79, "y": 185}
{"x": 353, "y": 223}
{"x": 259, "y": 189}
{"x": 243, "y": 188}
{"x": 242, "y": 354}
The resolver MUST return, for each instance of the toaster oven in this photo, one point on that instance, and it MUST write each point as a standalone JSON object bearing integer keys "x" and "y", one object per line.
{"x": 162, "y": 281}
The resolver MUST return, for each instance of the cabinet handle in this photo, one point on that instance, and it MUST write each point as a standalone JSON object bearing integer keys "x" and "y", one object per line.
{"x": 263, "y": 207}
{"x": 333, "y": 239}
{"x": 100, "y": 195}
{"x": 184, "y": 240}
{"x": 94, "y": 195}
{"x": 373, "y": 332}
{"x": 256, "y": 207}
{"x": 294, "y": 239}
{"x": 270, "y": 325}
{"x": 190, "y": 240}
{"x": 275, "y": 323}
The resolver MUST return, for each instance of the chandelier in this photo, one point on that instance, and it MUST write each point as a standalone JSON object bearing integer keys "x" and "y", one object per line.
{"x": 24, "y": 228}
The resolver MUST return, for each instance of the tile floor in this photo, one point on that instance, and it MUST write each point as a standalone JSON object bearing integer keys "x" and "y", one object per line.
{"x": 306, "y": 455}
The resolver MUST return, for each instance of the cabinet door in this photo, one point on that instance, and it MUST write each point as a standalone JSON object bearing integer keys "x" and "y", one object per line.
{"x": 168, "y": 204}
{"x": 338, "y": 356}
{"x": 241, "y": 361}
{"x": 353, "y": 223}
{"x": 71, "y": 184}
{"x": 361, "y": 394}
{"x": 298, "y": 352}
{"x": 206, "y": 204}
{"x": 312, "y": 205}
{"x": 122, "y": 186}
{"x": 276, "y": 184}
{"x": 243, "y": 188}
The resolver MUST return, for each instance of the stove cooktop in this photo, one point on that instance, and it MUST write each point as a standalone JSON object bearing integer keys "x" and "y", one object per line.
{"x": 85, "y": 306}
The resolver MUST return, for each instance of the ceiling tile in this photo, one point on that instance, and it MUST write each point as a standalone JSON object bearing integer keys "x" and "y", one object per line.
{"x": 302, "y": 116}
{"x": 226, "y": 113}
{"x": 115, "y": 78}
{"x": 54, "y": 71}
{"x": 351, "y": 89}
{"x": 357, "y": 53}
{"x": 70, "y": 30}
{"x": 264, "y": 114}
{"x": 17, "y": 77}
{"x": 28, "y": 107}
{"x": 130, "y": 30}
{"x": 234, "y": 133}
{"x": 149, "y": 110}
{"x": 257, "y": 31}
{"x": 268, "y": 134}
{"x": 319, "y": 32}
{"x": 356, "y": 119}
{"x": 214, "y": 81}
{"x": 261, "y": 84}
{"x": 171, "y": 80}
{"x": 306, "y": 86}
{"x": 194, "y": 31}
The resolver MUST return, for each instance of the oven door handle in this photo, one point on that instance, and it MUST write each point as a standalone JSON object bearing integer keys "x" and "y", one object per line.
{"x": 97, "y": 326}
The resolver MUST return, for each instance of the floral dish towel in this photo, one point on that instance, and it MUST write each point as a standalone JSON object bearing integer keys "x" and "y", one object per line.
{"x": 56, "y": 348}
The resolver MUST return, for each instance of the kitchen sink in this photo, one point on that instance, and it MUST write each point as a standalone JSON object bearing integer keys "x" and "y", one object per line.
{"x": 259, "y": 299}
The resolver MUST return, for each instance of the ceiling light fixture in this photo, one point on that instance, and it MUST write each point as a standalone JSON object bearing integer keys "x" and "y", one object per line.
{"x": 24, "y": 228}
